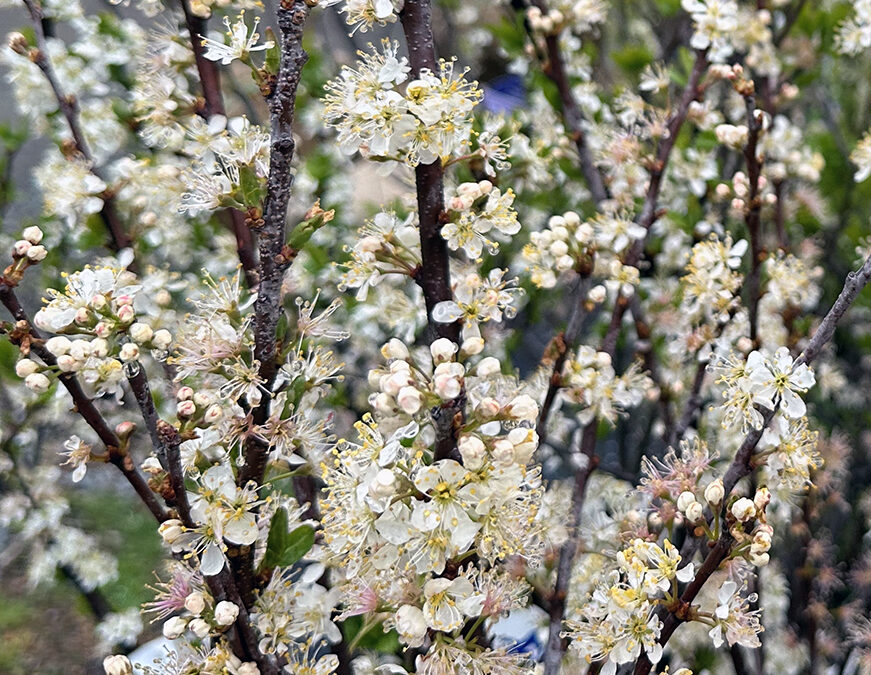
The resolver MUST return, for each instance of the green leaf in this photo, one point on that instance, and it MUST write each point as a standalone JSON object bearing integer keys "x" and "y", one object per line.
{"x": 284, "y": 548}
{"x": 251, "y": 186}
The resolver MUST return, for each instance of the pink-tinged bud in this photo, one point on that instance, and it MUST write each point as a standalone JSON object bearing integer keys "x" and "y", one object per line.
{"x": 184, "y": 394}
{"x": 36, "y": 254}
{"x": 83, "y": 316}
{"x": 37, "y": 382}
{"x": 32, "y": 234}
{"x": 20, "y": 248}
{"x": 124, "y": 430}
{"x": 762, "y": 498}
{"x": 204, "y": 399}
{"x": 488, "y": 407}
{"x": 126, "y": 314}
{"x": 213, "y": 414}
{"x": 186, "y": 409}
{"x": 102, "y": 330}
{"x": 410, "y": 400}
{"x": 125, "y": 299}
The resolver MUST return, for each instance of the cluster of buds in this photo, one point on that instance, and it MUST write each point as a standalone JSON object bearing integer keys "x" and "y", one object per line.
{"x": 26, "y": 251}
{"x": 566, "y": 244}
{"x": 753, "y": 544}
{"x": 578, "y": 15}
{"x": 199, "y": 408}
{"x": 691, "y": 507}
{"x": 740, "y": 192}
{"x": 201, "y": 618}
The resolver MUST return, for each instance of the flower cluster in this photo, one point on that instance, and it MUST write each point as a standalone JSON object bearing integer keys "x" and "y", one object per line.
{"x": 430, "y": 121}
{"x": 711, "y": 283}
{"x": 473, "y": 212}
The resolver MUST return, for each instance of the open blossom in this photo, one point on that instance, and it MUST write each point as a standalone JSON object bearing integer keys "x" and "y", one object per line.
{"x": 779, "y": 380}
{"x": 714, "y": 22}
{"x": 468, "y": 228}
{"x": 363, "y": 14}
{"x": 77, "y": 453}
{"x": 240, "y": 42}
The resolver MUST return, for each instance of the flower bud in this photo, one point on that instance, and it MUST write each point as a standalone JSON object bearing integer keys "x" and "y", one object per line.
{"x": 213, "y": 413}
{"x": 37, "y": 382}
{"x": 117, "y": 664}
{"x": 83, "y": 316}
{"x": 151, "y": 466}
{"x": 26, "y": 367}
{"x": 126, "y": 313}
{"x": 503, "y": 452}
{"x": 204, "y": 399}
{"x": 488, "y": 366}
{"x": 185, "y": 409}
{"x": 383, "y": 403}
{"x": 410, "y": 624}
{"x": 80, "y": 350}
{"x": 58, "y": 345}
{"x": 525, "y": 442}
{"x": 383, "y": 485}
{"x": 20, "y": 248}
{"x": 19, "y": 44}
{"x": 174, "y": 627}
{"x": 184, "y": 394}
{"x": 32, "y": 234}
{"x": 684, "y": 500}
{"x": 195, "y": 603}
{"x": 744, "y": 509}
{"x": 226, "y": 613}
{"x": 442, "y": 350}
{"x": 472, "y": 451}
{"x": 488, "y": 407}
{"x": 249, "y": 668}
{"x": 102, "y": 330}
{"x": 129, "y": 352}
{"x": 125, "y": 429}
{"x": 162, "y": 339}
{"x": 99, "y": 348}
{"x": 410, "y": 400}
{"x": 695, "y": 512}
{"x": 472, "y": 346}
{"x": 762, "y": 498}
{"x": 395, "y": 349}
{"x": 36, "y": 254}
{"x": 170, "y": 530}
{"x": 714, "y": 493}
{"x": 597, "y": 294}
{"x": 140, "y": 332}
{"x": 199, "y": 627}
{"x": 524, "y": 407}
{"x": 67, "y": 364}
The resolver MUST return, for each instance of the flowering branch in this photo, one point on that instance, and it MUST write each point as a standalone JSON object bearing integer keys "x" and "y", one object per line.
{"x": 275, "y": 255}
{"x": 69, "y": 108}
{"x": 555, "y": 70}
{"x": 210, "y": 80}
{"x": 742, "y": 466}
{"x": 24, "y": 334}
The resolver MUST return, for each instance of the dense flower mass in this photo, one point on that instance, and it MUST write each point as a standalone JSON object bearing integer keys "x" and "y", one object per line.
{"x": 557, "y": 380}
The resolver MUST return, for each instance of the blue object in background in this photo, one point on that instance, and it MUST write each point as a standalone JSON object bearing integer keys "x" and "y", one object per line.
{"x": 504, "y": 93}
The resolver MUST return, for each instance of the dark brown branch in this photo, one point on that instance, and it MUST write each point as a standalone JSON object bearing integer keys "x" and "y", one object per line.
{"x": 275, "y": 255}
{"x": 117, "y": 453}
{"x": 434, "y": 275}
{"x": 557, "y": 607}
{"x": 573, "y": 118}
{"x": 213, "y": 104}
{"x": 752, "y": 212}
{"x": 70, "y": 110}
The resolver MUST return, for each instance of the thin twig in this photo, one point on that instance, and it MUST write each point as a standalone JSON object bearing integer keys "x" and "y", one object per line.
{"x": 70, "y": 110}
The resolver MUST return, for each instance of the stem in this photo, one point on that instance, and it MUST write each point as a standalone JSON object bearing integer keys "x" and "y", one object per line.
{"x": 70, "y": 110}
